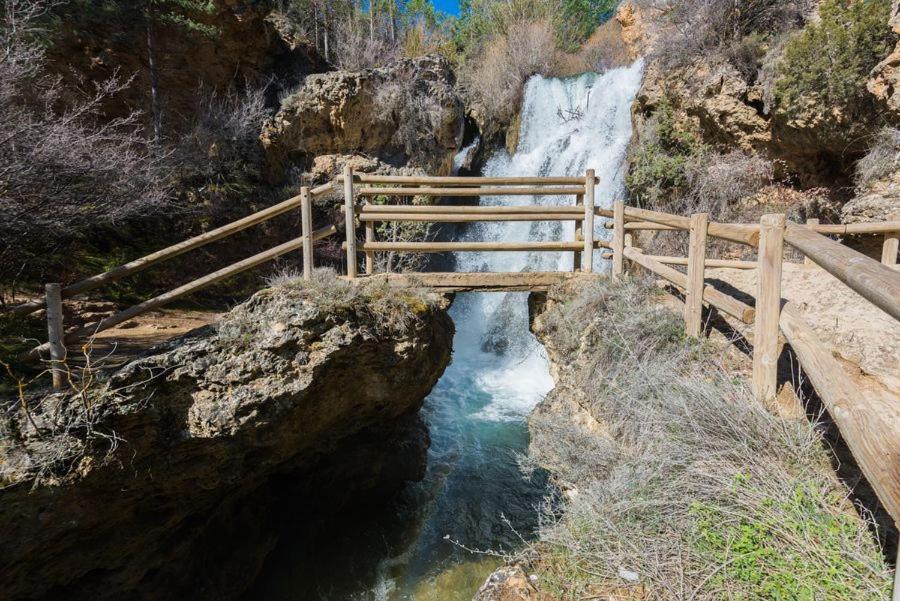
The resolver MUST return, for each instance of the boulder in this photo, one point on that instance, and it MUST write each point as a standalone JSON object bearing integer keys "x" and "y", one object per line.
{"x": 407, "y": 112}
{"x": 164, "y": 478}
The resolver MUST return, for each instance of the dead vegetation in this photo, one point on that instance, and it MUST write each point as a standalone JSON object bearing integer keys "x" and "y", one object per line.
{"x": 686, "y": 488}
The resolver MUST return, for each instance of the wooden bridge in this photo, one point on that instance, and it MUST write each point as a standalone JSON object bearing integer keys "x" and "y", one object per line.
{"x": 870, "y": 424}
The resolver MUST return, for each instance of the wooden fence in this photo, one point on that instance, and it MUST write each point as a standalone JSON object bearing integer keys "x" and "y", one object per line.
{"x": 869, "y": 424}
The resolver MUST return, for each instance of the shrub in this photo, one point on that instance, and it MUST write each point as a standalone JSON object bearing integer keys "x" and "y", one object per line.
{"x": 827, "y": 64}
{"x": 736, "y": 31}
{"x": 882, "y": 160}
{"x": 65, "y": 168}
{"x": 689, "y": 487}
{"x": 658, "y": 166}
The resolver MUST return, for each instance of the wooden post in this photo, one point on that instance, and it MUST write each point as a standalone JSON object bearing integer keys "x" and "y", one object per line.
{"x": 579, "y": 235}
{"x": 618, "y": 241}
{"x": 56, "y": 334}
{"x": 693, "y": 301}
{"x": 768, "y": 306}
{"x": 891, "y": 244}
{"x": 370, "y": 256}
{"x": 306, "y": 228}
{"x": 587, "y": 257}
{"x": 350, "y": 221}
{"x": 810, "y": 222}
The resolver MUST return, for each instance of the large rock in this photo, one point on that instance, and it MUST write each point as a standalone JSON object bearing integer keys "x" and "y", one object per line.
{"x": 408, "y": 112}
{"x": 884, "y": 82}
{"x": 311, "y": 389}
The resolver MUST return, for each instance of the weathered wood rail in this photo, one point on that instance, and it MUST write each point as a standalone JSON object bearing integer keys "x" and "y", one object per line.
{"x": 870, "y": 426}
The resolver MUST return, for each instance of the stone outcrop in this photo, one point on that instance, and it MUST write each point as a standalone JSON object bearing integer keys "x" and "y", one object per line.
{"x": 508, "y": 584}
{"x": 884, "y": 82}
{"x": 306, "y": 392}
{"x": 406, "y": 113}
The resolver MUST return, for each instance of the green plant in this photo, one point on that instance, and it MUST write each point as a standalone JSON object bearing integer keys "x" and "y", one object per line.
{"x": 826, "y": 65}
{"x": 659, "y": 165}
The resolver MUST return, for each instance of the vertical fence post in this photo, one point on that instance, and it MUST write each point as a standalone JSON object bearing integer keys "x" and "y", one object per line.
{"x": 693, "y": 301}
{"x": 56, "y": 334}
{"x": 618, "y": 240}
{"x": 891, "y": 244}
{"x": 768, "y": 306}
{"x": 587, "y": 228}
{"x": 807, "y": 260}
{"x": 350, "y": 221}
{"x": 579, "y": 234}
{"x": 370, "y": 255}
{"x": 306, "y": 228}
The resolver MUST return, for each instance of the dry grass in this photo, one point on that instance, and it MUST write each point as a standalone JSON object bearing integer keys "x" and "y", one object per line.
{"x": 882, "y": 160}
{"x": 691, "y": 486}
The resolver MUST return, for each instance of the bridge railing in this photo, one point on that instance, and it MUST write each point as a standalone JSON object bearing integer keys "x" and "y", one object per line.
{"x": 366, "y": 187}
{"x": 58, "y": 338}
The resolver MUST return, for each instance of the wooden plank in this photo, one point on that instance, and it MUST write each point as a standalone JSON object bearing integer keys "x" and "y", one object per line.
{"x": 199, "y": 284}
{"x": 462, "y": 281}
{"x": 438, "y": 247}
{"x": 170, "y": 252}
{"x": 810, "y": 223}
{"x": 728, "y": 263}
{"x": 306, "y": 229}
{"x": 370, "y": 256}
{"x": 618, "y": 240}
{"x": 693, "y": 301}
{"x": 573, "y": 191}
{"x": 371, "y": 209}
{"x": 735, "y": 232}
{"x": 587, "y": 229}
{"x": 891, "y": 244}
{"x": 467, "y": 181}
{"x": 350, "y": 221}
{"x": 56, "y": 334}
{"x": 768, "y": 307}
{"x": 877, "y": 283}
{"x": 640, "y": 225}
{"x": 849, "y": 229}
{"x": 579, "y": 234}
{"x": 721, "y": 301}
{"x": 868, "y": 422}
{"x": 467, "y": 217}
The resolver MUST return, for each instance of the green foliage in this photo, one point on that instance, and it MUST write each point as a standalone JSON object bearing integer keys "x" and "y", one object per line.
{"x": 827, "y": 64}
{"x": 758, "y": 554}
{"x": 659, "y": 164}
{"x": 573, "y": 20}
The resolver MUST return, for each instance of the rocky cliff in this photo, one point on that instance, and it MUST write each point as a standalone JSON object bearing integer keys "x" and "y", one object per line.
{"x": 164, "y": 478}
{"x": 406, "y": 113}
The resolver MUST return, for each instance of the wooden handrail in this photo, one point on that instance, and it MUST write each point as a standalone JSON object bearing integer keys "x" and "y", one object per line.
{"x": 473, "y": 209}
{"x": 877, "y": 283}
{"x": 736, "y": 232}
{"x": 555, "y": 191}
{"x": 132, "y": 267}
{"x": 439, "y": 247}
{"x": 468, "y": 181}
{"x": 468, "y": 217}
{"x": 198, "y": 284}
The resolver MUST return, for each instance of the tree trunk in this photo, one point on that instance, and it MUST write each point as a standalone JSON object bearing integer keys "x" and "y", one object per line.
{"x": 155, "y": 107}
{"x": 372, "y": 20}
{"x": 393, "y": 7}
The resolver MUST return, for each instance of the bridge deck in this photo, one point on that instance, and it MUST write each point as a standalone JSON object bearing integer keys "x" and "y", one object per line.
{"x": 464, "y": 282}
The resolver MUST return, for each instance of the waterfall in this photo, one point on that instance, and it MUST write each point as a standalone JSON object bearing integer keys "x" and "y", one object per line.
{"x": 567, "y": 126}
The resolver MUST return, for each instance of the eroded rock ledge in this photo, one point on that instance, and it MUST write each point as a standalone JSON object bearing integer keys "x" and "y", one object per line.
{"x": 315, "y": 386}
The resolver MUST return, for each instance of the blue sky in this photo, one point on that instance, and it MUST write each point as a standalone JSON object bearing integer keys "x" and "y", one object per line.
{"x": 448, "y": 6}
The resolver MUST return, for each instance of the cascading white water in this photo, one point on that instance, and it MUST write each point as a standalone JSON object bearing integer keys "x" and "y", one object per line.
{"x": 568, "y": 126}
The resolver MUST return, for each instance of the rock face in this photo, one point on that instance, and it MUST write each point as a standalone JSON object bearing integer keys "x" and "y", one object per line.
{"x": 246, "y": 47}
{"x": 408, "y": 112}
{"x": 884, "y": 82}
{"x": 309, "y": 394}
